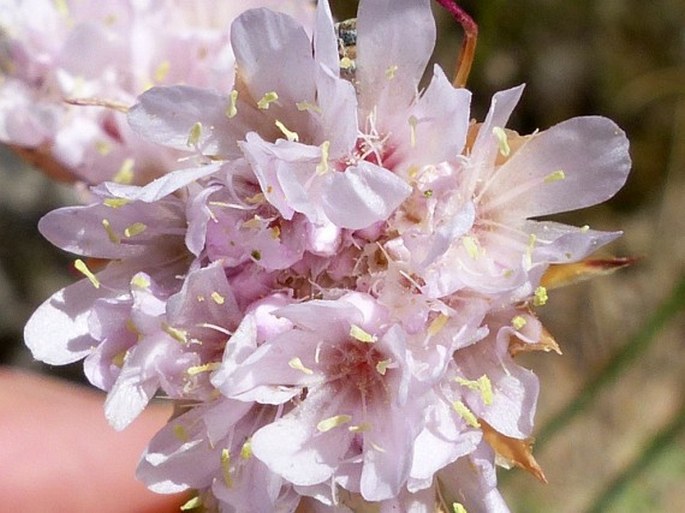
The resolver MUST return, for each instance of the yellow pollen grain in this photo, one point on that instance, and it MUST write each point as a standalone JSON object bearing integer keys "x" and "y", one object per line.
{"x": 111, "y": 234}
{"x": 346, "y": 63}
{"x": 540, "y": 297}
{"x": 457, "y": 507}
{"x": 305, "y": 105}
{"x": 296, "y": 363}
{"x": 193, "y": 503}
{"x": 140, "y": 281}
{"x": 103, "y": 147}
{"x": 125, "y": 173}
{"x": 217, "y": 298}
{"x": 81, "y": 267}
{"x": 289, "y": 134}
{"x": 180, "y": 432}
{"x": 483, "y": 385}
{"x": 359, "y": 334}
{"x": 134, "y": 229}
{"x": 194, "y": 134}
{"x": 115, "y": 202}
{"x": 333, "y": 422}
{"x": 246, "y": 450}
{"x": 466, "y": 414}
{"x": 382, "y": 366}
{"x": 471, "y": 246}
{"x": 232, "y": 109}
{"x": 162, "y": 71}
{"x": 502, "y": 140}
{"x": 555, "y": 177}
{"x": 322, "y": 166}
{"x": 518, "y": 322}
{"x": 226, "y": 467}
{"x": 199, "y": 369}
{"x": 267, "y": 100}
{"x": 438, "y": 324}
{"x": 360, "y": 428}
{"x": 412, "y": 131}
{"x": 391, "y": 72}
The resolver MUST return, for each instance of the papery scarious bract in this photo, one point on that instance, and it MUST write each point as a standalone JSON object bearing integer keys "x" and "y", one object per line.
{"x": 341, "y": 283}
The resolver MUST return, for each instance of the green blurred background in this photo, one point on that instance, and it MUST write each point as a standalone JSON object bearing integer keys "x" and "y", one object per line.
{"x": 611, "y": 418}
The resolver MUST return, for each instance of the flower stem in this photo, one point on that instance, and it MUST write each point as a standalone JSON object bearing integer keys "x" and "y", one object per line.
{"x": 468, "y": 46}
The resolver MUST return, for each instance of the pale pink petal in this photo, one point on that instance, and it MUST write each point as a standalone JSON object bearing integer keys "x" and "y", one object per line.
{"x": 325, "y": 40}
{"x": 575, "y": 164}
{"x": 363, "y": 195}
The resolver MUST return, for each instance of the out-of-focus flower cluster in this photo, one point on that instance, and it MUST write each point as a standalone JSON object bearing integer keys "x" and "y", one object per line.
{"x": 333, "y": 270}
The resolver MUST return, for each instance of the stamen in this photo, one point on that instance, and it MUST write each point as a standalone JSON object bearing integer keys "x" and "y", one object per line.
{"x": 466, "y": 414}
{"x": 217, "y": 298}
{"x": 518, "y": 322}
{"x": 438, "y": 324}
{"x": 226, "y": 467}
{"x": 305, "y": 105}
{"x": 180, "y": 432}
{"x": 267, "y": 100}
{"x": 162, "y": 70}
{"x": 359, "y": 428}
{"x": 134, "y": 229}
{"x": 540, "y": 298}
{"x": 194, "y": 134}
{"x": 322, "y": 166}
{"x": 359, "y": 334}
{"x": 333, "y": 422}
{"x": 296, "y": 363}
{"x": 199, "y": 369}
{"x": 125, "y": 173}
{"x": 175, "y": 333}
{"x": 290, "y": 135}
{"x": 457, "y": 507}
{"x": 111, "y": 234}
{"x": 232, "y": 108}
{"x": 81, "y": 266}
{"x": 502, "y": 140}
{"x": 194, "y": 503}
{"x": 391, "y": 72}
{"x": 115, "y": 202}
{"x": 140, "y": 281}
{"x": 471, "y": 246}
{"x": 483, "y": 385}
{"x": 412, "y": 131}
{"x": 246, "y": 450}
{"x": 556, "y": 176}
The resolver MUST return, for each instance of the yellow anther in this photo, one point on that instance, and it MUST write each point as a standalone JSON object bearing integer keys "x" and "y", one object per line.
{"x": 226, "y": 467}
{"x": 322, "y": 166}
{"x": 502, "y": 140}
{"x": 140, "y": 281}
{"x": 540, "y": 298}
{"x": 458, "y": 508}
{"x": 111, "y": 234}
{"x": 585, "y": 228}
{"x": 483, "y": 385}
{"x": 255, "y": 199}
{"x": 359, "y": 334}
{"x": 555, "y": 177}
{"x": 232, "y": 108}
{"x": 382, "y": 366}
{"x": 246, "y": 450}
{"x": 175, "y": 333}
{"x": 199, "y": 369}
{"x": 391, "y": 72}
{"x": 290, "y": 135}
{"x": 471, "y": 246}
{"x": 333, "y": 422}
{"x": 194, "y": 134}
{"x": 466, "y": 414}
{"x": 254, "y": 223}
{"x": 119, "y": 358}
{"x": 412, "y": 131}
{"x": 125, "y": 173}
{"x": 518, "y": 322}
{"x": 162, "y": 71}
{"x": 377, "y": 447}
{"x": 134, "y": 229}
{"x": 194, "y": 503}
{"x": 305, "y": 105}
{"x": 438, "y": 324}
{"x": 217, "y": 298}
{"x": 275, "y": 232}
{"x": 81, "y": 267}
{"x": 296, "y": 363}
{"x": 115, "y": 202}
{"x": 180, "y": 432}
{"x": 267, "y": 100}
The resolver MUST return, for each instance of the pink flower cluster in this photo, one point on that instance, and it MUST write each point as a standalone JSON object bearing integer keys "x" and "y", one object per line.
{"x": 334, "y": 279}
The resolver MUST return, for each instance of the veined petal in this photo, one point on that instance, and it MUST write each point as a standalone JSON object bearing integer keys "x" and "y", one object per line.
{"x": 363, "y": 195}
{"x": 397, "y": 35}
{"x": 575, "y": 164}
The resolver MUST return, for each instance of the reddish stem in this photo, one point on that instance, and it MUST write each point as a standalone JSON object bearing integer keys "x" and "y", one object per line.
{"x": 468, "y": 47}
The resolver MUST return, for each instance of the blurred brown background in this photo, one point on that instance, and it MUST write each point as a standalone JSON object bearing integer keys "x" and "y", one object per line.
{"x": 611, "y": 418}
